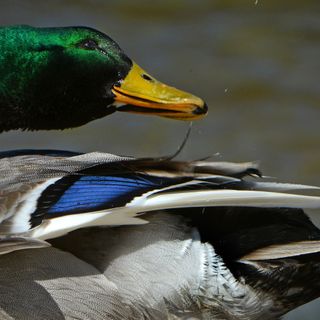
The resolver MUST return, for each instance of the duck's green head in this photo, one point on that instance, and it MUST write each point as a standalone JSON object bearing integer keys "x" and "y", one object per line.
{"x": 55, "y": 78}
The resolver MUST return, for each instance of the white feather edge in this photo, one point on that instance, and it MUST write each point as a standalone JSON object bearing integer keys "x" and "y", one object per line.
{"x": 19, "y": 214}
{"x": 152, "y": 201}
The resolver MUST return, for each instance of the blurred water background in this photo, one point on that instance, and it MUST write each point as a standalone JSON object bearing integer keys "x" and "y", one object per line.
{"x": 255, "y": 62}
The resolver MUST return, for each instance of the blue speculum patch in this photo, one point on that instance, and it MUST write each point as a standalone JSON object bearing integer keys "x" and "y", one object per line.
{"x": 93, "y": 192}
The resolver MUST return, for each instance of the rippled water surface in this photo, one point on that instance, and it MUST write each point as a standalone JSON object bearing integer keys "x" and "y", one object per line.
{"x": 256, "y": 63}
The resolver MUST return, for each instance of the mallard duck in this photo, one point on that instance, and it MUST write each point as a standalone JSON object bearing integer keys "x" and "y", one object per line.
{"x": 203, "y": 240}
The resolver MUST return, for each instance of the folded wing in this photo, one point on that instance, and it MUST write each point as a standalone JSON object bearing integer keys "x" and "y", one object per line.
{"x": 45, "y": 196}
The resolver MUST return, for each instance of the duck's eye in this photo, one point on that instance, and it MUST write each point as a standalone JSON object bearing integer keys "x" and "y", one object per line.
{"x": 146, "y": 77}
{"x": 88, "y": 44}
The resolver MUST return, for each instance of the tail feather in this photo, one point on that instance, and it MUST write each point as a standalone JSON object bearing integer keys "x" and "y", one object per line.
{"x": 281, "y": 251}
{"x": 216, "y": 198}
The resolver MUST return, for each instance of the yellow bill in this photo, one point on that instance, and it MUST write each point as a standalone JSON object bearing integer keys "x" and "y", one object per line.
{"x": 141, "y": 93}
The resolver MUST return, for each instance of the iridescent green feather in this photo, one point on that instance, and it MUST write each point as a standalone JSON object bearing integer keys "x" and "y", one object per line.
{"x": 49, "y": 79}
